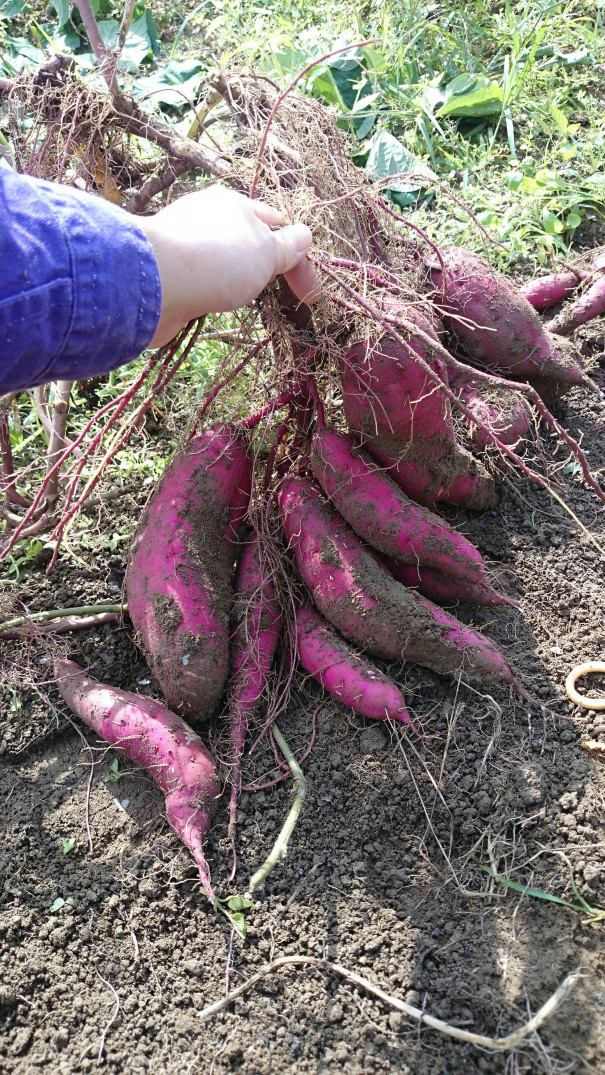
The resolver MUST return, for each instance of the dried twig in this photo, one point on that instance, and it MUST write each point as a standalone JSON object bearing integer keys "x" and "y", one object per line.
{"x": 506, "y": 1044}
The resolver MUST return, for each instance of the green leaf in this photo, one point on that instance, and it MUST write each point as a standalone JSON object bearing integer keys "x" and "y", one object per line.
{"x": 62, "y": 9}
{"x": 559, "y": 117}
{"x": 239, "y": 924}
{"x": 10, "y": 8}
{"x": 551, "y": 223}
{"x": 596, "y": 180}
{"x": 387, "y": 156}
{"x": 114, "y": 774}
{"x": 68, "y": 845}
{"x": 57, "y": 905}
{"x": 573, "y": 220}
{"x": 238, "y": 903}
{"x": 480, "y": 97}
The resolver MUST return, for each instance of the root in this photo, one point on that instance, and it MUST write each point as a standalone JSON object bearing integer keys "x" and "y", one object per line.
{"x": 499, "y": 1045}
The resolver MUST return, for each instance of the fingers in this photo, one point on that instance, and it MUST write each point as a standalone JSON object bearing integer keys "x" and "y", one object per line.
{"x": 267, "y": 214}
{"x": 303, "y": 282}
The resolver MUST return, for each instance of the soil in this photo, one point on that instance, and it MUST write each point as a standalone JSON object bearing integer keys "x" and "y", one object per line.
{"x": 108, "y": 956}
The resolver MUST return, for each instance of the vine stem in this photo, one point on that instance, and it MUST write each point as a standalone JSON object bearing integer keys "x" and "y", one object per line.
{"x": 280, "y": 847}
{"x": 59, "y": 613}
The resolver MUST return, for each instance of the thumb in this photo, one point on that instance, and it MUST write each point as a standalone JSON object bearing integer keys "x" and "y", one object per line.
{"x": 291, "y": 245}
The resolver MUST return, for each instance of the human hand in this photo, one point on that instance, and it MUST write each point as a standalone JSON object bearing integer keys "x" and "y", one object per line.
{"x": 215, "y": 252}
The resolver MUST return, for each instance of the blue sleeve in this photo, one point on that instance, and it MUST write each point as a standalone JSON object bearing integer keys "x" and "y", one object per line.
{"x": 80, "y": 289}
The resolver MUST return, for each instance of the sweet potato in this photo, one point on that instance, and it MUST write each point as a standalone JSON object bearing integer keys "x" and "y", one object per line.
{"x": 353, "y": 680}
{"x": 498, "y": 326}
{"x": 590, "y": 304}
{"x": 546, "y": 291}
{"x": 405, "y": 420}
{"x": 505, "y": 412}
{"x": 380, "y": 513}
{"x": 447, "y": 589}
{"x": 179, "y": 578}
{"x": 455, "y": 478}
{"x": 359, "y": 596}
{"x": 257, "y": 622}
{"x": 151, "y": 736}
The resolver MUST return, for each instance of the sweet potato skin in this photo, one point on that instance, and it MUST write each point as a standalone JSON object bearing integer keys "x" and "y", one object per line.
{"x": 353, "y": 680}
{"x": 160, "y": 741}
{"x": 445, "y": 588}
{"x": 179, "y": 577}
{"x": 257, "y": 623}
{"x": 590, "y": 304}
{"x": 546, "y": 291}
{"x": 502, "y": 411}
{"x": 359, "y": 596}
{"x": 405, "y": 420}
{"x": 381, "y": 514}
{"x": 497, "y": 325}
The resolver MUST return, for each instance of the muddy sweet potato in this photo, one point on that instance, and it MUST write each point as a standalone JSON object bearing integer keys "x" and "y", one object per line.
{"x": 360, "y": 597}
{"x": 546, "y": 291}
{"x": 350, "y": 678}
{"x": 257, "y": 625}
{"x": 504, "y": 412}
{"x": 179, "y": 577}
{"x": 151, "y": 736}
{"x": 405, "y": 420}
{"x": 380, "y": 513}
{"x": 447, "y": 589}
{"x": 496, "y": 324}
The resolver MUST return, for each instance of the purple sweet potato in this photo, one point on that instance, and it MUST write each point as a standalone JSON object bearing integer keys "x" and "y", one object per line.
{"x": 151, "y": 736}
{"x": 504, "y": 412}
{"x": 497, "y": 325}
{"x": 257, "y": 621}
{"x": 447, "y": 589}
{"x": 350, "y": 678}
{"x": 179, "y": 577}
{"x": 405, "y": 420}
{"x": 590, "y": 304}
{"x": 360, "y": 597}
{"x": 546, "y": 291}
{"x": 380, "y": 513}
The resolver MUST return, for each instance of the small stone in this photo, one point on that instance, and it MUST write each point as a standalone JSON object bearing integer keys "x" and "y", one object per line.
{"x": 148, "y": 887}
{"x": 21, "y": 1040}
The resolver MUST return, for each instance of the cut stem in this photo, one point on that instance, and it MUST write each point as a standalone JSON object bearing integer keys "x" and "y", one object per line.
{"x": 280, "y": 847}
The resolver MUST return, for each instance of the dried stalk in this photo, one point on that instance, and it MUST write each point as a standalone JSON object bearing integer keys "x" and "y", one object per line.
{"x": 500, "y": 1045}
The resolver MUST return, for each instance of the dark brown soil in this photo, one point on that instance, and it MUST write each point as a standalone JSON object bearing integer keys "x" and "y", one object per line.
{"x": 384, "y": 873}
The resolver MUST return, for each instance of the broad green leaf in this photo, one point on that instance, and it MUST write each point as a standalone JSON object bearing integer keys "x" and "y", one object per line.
{"x": 573, "y": 220}
{"x": 62, "y": 9}
{"x": 68, "y": 845}
{"x": 10, "y": 8}
{"x": 559, "y": 117}
{"x": 388, "y": 157}
{"x": 551, "y": 223}
{"x": 482, "y": 98}
{"x": 238, "y": 903}
{"x": 596, "y": 180}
